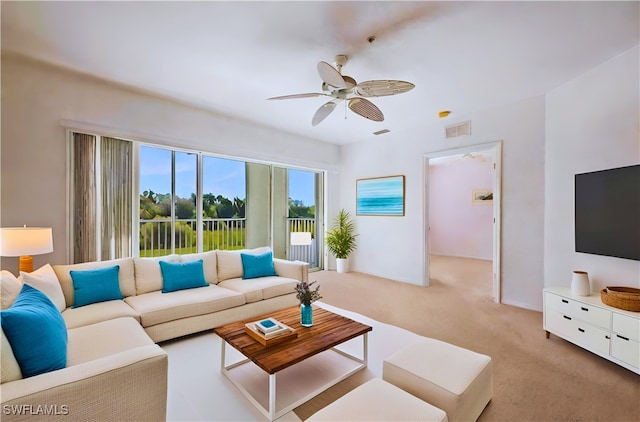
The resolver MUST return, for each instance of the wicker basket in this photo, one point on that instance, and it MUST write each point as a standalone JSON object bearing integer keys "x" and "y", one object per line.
{"x": 627, "y": 298}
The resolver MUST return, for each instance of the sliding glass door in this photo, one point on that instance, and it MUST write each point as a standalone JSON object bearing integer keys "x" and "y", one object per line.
{"x": 304, "y": 228}
{"x": 193, "y": 202}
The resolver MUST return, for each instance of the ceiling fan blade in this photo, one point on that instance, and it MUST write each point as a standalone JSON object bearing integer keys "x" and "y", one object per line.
{"x": 323, "y": 112}
{"x": 331, "y": 76}
{"x": 381, "y": 88}
{"x": 366, "y": 109}
{"x": 289, "y": 97}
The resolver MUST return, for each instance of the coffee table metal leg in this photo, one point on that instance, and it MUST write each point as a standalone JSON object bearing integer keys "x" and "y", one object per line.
{"x": 272, "y": 396}
{"x": 222, "y": 357}
{"x": 365, "y": 349}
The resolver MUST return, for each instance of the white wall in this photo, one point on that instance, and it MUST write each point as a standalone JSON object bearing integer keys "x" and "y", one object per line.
{"x": 592, "y": 124}
{"x": 457, "y": 226}
{"x": 36, "y": 97}
{"x": 393, "y": 246}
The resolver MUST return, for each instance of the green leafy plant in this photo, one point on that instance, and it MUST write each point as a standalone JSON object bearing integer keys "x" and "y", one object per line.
{"x": 341, "y": 239}
{"x": 305, "y": 294}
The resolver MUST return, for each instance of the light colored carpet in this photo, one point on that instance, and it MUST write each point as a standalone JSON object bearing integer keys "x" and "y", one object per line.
{"x": 535, "y": 379}
{"x": 199, "y": 392}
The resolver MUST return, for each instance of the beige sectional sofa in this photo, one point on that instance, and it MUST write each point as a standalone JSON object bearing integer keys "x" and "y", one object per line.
{"x": 114, "y": 370}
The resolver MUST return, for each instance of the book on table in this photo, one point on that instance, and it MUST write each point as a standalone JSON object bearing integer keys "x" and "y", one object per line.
{"x": 268, "y": 325}
{"x": 270, "y": 328}
{"x": 278, "y": 332}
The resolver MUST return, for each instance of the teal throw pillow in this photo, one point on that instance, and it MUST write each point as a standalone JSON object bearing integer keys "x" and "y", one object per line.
{"x": 36, "y": 332}
{"x": 254, "y": 266}
{"x": 98, "y": 285}
{"x": 182, "y": 275}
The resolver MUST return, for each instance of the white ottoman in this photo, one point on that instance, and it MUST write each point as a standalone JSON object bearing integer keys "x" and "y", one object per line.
{"x": 377, "y": 400}
{"x": 454, "y": 379}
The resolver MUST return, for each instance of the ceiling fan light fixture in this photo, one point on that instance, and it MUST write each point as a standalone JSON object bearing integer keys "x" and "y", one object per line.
{"x": 341, "y": 87}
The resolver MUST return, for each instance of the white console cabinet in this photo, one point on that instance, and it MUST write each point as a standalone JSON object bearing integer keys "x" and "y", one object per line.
{"x": 585, "y": 321}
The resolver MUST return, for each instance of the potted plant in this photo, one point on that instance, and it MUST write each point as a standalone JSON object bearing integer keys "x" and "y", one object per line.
{"x": 341, "y": 239}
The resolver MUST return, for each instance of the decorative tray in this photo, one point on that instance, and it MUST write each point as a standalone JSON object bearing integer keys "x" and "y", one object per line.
{"x": 287, "y": 333}
{"x": 627, "y": 298}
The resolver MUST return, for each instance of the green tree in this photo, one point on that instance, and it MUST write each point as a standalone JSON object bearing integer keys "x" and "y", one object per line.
{"x": 239, "y": 206}
{"x": 297, "y": 209}
{"x": 185, "y": 209}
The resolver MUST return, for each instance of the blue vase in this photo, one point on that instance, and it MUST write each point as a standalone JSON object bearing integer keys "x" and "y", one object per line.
{"x": 306, "y": 315}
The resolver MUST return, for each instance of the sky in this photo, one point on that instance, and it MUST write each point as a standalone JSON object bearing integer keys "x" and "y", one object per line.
{"x": 220, "y": 176}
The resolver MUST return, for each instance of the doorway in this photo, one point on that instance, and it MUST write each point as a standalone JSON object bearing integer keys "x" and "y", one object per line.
{"x": 477, "y": 201}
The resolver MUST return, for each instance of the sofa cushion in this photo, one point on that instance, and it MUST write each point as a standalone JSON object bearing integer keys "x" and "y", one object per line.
{"x": 209, "y": 262}
{"x": 148, "y": 275}
{"x": 10, "y": 288}
{"x": 105, "y": 338}
{"x": 45, "y": 280}
{"x": 230, "y": 262}
{"x": 93, "y": 286}
{"x": 256, "y": 266}
{"x": 156, "y": 307}
{"x": 9, "y": 368}
{"x": 36, "y": 331}
{"x": 97, "y": 312}
{"x": 182, "y": 275}
{"x": 262, "y": 288}
{"x": 127, "y": 280}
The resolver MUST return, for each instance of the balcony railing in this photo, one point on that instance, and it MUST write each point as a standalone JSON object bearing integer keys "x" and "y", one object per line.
{"x": 218, "y": 233}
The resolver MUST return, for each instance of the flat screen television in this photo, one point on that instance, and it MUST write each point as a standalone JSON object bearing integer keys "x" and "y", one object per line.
{"x": 607, "y": 212}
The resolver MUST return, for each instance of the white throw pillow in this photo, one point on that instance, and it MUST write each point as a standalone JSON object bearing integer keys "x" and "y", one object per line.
{"x": 10, "y": 287}
{"x": 9, "y": 367}
{"x": 45, "y": 280}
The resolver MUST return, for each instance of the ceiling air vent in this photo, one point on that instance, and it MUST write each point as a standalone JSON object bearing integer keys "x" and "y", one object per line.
{"x": 458, "y": 129}
{"x": 380, "y": 132}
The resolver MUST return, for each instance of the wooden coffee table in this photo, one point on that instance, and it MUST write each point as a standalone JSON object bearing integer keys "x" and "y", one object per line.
{"x": 328, "y": 331}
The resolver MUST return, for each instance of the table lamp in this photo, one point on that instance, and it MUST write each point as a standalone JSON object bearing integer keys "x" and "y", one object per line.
{"x": 300, "y": 238}
{"x": 24, "y": 242}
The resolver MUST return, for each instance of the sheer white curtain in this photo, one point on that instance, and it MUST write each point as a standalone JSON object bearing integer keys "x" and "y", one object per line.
{"x": 102, "y": 213}
{"x": 117, "y": 172}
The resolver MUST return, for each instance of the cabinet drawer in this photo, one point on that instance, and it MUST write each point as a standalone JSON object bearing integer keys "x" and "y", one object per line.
{"x": 580, "y": 310}
{"x": 626, "y": 350}
{"x": 586, "y": 335}
{"x": 626, "y": 326}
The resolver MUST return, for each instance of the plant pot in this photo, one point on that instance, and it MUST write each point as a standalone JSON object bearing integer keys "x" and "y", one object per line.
{"x": 342, "y": 265}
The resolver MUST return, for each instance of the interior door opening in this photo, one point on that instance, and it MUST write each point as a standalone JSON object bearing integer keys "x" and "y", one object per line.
{"x": 462, "y": 203}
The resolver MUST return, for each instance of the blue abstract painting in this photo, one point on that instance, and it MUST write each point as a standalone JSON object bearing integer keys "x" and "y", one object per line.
{"x": 380, "y": 196}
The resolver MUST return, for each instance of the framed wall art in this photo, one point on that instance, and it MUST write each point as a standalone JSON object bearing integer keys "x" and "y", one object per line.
{"x": 481, "y": 196}
{"x": 380, "y": 196}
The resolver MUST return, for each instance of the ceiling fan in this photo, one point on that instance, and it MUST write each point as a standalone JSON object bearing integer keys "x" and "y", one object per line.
{"x": 344, "y": 88}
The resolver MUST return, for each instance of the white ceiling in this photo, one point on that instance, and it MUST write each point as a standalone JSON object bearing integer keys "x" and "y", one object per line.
{"x": 230, "y": 56}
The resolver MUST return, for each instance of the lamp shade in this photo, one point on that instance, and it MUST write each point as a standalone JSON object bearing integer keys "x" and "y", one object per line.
{"x": 300, "y": 238}
{"x": 19, "y": 241}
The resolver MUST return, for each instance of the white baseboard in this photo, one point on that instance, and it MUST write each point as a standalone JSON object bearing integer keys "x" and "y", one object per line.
{"x": 521, "y": 305}
{"x": 462, "y": 256}
{"x": 390, "y": 277}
